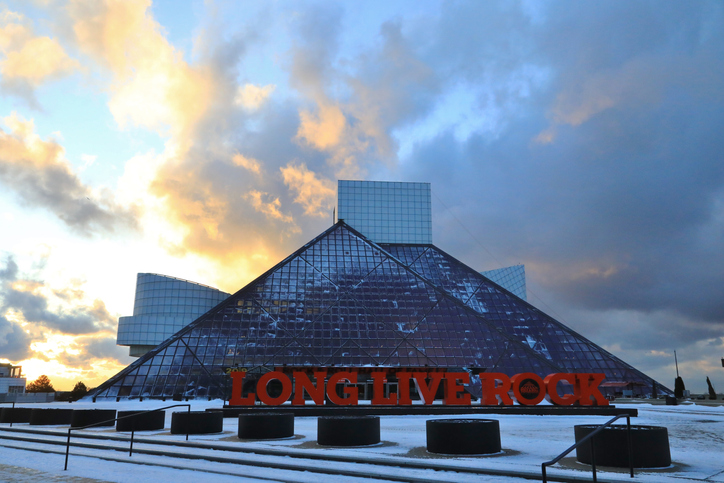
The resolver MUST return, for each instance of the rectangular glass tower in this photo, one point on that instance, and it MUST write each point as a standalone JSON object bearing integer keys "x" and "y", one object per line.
{"x": 387, "y": 211}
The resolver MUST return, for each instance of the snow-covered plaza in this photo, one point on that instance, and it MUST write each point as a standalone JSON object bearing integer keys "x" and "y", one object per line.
{"x": 36, "y": 453}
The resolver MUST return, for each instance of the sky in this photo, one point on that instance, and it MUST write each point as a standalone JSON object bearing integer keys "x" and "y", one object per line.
{"x": 204, "y": 140}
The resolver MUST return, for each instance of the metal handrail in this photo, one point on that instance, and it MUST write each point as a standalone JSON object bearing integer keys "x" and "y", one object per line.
{"x": 589, "y": 437}
{"x": 133, "y": 431}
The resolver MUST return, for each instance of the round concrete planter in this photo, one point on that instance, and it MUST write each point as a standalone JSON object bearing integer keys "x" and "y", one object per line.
{"x": 47, "y": 417}
{"x": 463, "y": 436}
{"x": 197, "y": 422}
{"x": 15, "y": 415}
{"x": 348, "y": 430}
{"x": 85, "y": 417}
{"x": 650, "y": 446}
{"x": 142, "y": 421}
{"x": 266, "y": 425}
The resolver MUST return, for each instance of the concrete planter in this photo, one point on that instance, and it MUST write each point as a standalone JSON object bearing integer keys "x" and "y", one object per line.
{"x": 142, "y": 421}
{"x": 348, "y": 430}
{"x": 85, "y": 417}
{"x": 47, "y": 417}
{"x": 650, "y": 446}
{"x": 15, "y": 415}
{"x": 266, "y": 426}
{"x": 197, "y": 422}
{"x": 463, "y": 436}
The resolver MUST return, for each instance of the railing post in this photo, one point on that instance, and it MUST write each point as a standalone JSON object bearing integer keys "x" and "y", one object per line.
{"x": 630, "y": 446}
{"x": 543, "y": 470}
{"x": 593, "y": 460}
{"x": 67, "y": 450}
{"x": 130, "y": 451}
{"x": 187, "y": 426}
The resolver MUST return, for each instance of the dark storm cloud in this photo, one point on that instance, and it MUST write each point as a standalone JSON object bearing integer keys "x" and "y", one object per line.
{"x": 618, "y": 205}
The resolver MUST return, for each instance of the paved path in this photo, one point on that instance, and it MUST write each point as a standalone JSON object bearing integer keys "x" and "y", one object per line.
{"x": 17, "y": 474}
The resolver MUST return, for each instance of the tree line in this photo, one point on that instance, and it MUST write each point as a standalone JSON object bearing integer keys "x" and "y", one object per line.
{"x": 43, "y": 384}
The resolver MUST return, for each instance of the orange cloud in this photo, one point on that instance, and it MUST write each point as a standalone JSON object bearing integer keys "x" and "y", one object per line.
{"x": 270, "y": 208}
{"x": 28, "y": 60}
{"x": 324, "y": 129}
{"x": 39, "y": 59}
{"x": 250, "y": 164}
{"x": 230, "y": 231}
{"x": 316, "y": 195}
{"x": 153, "y": 87}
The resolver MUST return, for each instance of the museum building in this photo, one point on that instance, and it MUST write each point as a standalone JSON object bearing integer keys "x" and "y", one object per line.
{"x": 346, "y": 302}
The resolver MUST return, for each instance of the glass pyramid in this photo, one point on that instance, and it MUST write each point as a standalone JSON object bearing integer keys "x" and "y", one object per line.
{"x": 343, "y": 300}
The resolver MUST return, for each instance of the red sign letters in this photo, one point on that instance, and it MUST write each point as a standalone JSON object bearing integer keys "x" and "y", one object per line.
{"x": 527, "y": 388}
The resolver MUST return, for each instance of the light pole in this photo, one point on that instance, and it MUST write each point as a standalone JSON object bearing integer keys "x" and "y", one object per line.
{"x": 677, "y": 365}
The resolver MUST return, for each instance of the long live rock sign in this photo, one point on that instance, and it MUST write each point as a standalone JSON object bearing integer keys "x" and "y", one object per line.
{"x": 528, "y": 389}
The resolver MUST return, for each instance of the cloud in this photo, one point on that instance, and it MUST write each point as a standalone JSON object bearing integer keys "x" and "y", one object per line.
{"x": 250, "y": 164}
{"x": 251, "y": 97}
{"x": 88, "y": 160}
{"x": 29, "y": 61}
{"x": 54, "y": 328}
{"x": 29, "y": 301}
{"x": 10, "y": 272}
{"x": 14, "y": 341}
{"x": 211, "y": 200}
{"x": 33, "y": 308}
{"x": 37, "y": 171}
{"x": 314, "y": 194}
{"x": 387, "y": 88}
{"x": 269, "y": 208}
{"x": 640, "y": 83}
{"x": 91, "y": 351}
{"x": 624, "y": 177}
{"x": 38, "y": 60}
{"x": 322, "y": 130}
{"x": 152, "y": 86}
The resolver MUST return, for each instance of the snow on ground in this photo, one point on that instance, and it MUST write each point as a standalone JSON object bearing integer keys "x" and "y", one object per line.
{"x": 696, "y": 436}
